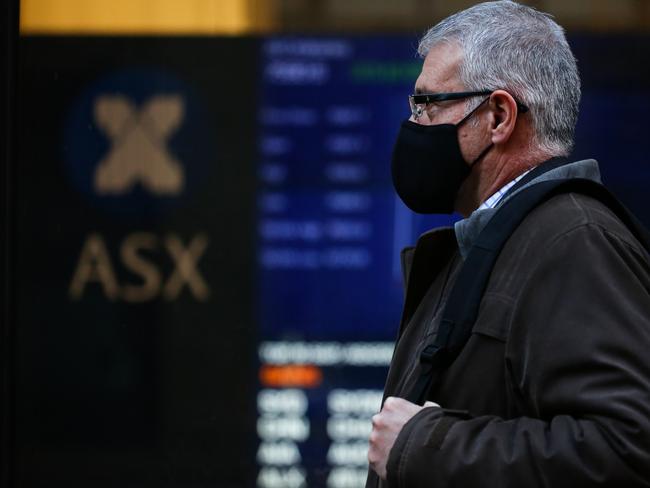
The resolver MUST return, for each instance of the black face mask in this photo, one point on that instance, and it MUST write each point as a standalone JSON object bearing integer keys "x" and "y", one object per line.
{"x": 428, "y": 167}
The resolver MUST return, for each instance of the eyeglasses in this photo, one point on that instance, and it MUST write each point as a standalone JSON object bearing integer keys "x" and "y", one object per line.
{"x": 418, "y": 102}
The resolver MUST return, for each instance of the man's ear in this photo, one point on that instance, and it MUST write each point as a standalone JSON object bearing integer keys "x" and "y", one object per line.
{"x": 504, "y": 116}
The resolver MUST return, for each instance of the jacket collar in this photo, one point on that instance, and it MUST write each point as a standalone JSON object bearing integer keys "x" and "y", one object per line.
{"x": 467, "y": 230}
{"x": 422, "y": 263}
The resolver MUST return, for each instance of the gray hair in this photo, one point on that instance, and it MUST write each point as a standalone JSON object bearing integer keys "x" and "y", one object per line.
{"x": 516, "y": 48}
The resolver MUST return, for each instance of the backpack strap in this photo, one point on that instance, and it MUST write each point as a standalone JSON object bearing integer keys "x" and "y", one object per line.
{"x": 461, "y": 309}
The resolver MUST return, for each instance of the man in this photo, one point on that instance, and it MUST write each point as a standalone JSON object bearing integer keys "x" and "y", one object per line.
{"x": 553, "y": 386}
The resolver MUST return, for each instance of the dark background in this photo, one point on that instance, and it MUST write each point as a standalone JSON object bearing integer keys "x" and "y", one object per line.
{"x": 111, "y": 393}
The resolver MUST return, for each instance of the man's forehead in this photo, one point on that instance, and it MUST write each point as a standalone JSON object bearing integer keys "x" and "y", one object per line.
{"x": 440, "y": 69}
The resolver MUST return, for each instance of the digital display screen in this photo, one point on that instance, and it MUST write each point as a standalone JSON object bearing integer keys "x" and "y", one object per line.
{"x": 330, "y": 231}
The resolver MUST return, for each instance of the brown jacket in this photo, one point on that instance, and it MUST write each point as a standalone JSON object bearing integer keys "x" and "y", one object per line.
{"x": 553, "y": 387}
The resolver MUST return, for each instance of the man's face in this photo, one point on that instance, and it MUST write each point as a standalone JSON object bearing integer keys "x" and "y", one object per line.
{"x": 440, "y": 75}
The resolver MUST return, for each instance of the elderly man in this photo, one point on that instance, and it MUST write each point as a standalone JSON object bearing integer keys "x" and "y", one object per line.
{"x": 552, "y": 386}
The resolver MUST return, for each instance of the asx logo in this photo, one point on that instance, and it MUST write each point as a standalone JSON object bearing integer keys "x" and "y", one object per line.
{"x": 140, "y": 255}
{"x": 139, "y": 152}
{"x": 137, "y": 144}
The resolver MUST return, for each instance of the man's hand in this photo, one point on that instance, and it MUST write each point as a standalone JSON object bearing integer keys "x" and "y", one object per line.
{"x": 386, "y": 425}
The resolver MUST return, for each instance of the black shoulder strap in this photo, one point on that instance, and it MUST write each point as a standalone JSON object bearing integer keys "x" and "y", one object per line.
{"x": 465, "y": 297}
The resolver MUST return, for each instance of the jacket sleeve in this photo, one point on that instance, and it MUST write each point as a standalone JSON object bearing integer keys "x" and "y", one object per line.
{"x": 578, "y": 365}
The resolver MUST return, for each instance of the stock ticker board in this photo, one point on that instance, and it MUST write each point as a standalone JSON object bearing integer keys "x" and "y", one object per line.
{"x": 330, "y": 230}
{"x": 208, "y": 284}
